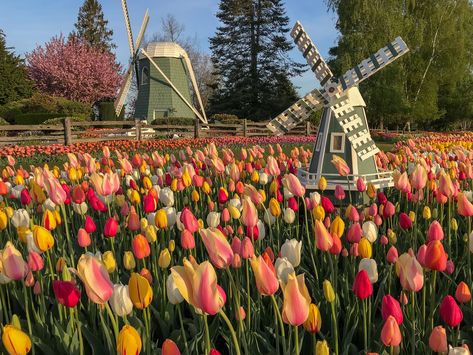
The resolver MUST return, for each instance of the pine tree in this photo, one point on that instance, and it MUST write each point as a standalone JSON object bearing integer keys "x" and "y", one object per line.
{"x": 250, "y": 54}
{"x": 14, "y": 84}
{"x": 91, "y": 26}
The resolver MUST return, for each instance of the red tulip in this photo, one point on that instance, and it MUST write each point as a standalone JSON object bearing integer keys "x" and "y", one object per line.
{"x": 435, "y": 256}
{"x": 435, "y": 231}
{"x": 450, "y": 312}
{"x": 89, "y": 224}
{"x": 389, "y": 210}
{"x": 404, "y": 221}
{"x": 66, "y": 293}
{"x": 111, "y": 228}
{"x": 391, "y": 307}
{"x": 25, "y": 197}
{"x": 362, "y": 286}
{"x": 78, "y": 195}
{"x": 170, "y": 348}
{"x": 149, "y": 203}
{"x": 327, "y": 205}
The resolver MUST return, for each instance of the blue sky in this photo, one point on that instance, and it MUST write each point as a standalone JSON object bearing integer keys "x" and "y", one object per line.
{"x": 27, "y": 23}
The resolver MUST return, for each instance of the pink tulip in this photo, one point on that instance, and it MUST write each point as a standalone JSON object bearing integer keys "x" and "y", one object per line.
{"x": 35, "y": 261}
{"x": 247, "y": 249}
{"x": 296, "y": 304}
{"x": 435, "y": 231}
{"x": 421, "y": 252}
{"x": 389, "y": 210}
{"x": 265, "y": 276}
{"x": 354, "y": 233}
{"x": 410, "y": 273}
{"x": 341, "y": 165}
{"x": 419, "y": 177}
{"x": 95, "y": 277}
{"x": 464, "y": 207}
{"x": 249, "y": 215}
{"x": 446, "y": 185}
{"x": 392, "y": 255}
{"x": 273, "y": 166}
{"x": 293, "y": 184}
{"x": 218, "y": 248}
{"x": 360, "y": 184}
{"x": 323, "y": 239}
{"x": 391, "y": 334}
{"x": 54, "y": 189}
{"x": 189, "y": 220}
{"x": 14, "y": 267}
{"x": 187, "y": 240}
{"x": 339, "y": 192}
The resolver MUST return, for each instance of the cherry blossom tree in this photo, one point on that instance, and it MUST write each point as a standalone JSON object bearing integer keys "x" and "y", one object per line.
{"x": 75, "y": 70}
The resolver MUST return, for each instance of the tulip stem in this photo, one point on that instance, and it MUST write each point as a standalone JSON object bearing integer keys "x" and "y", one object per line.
{"x": 311, "y": 250}
{"x": 182, "y": 328}
{"x": 27, "y": 311}
{"x": 365, "y": 334}
{"x": 66, "y": 227}
{"x": 207, "y": 336}
{"x": 413, "y": 334}
{"x": 281, "y": 324}
{"x": 248, "y": 295}
{"x": 232, "y": 331}
{"x": 296, "y": 339}
{"x": 335, "y": 327}
{"x": 79, "y": 329}
{"x": 112, "y": 319}
{"x": 469, "y": 253}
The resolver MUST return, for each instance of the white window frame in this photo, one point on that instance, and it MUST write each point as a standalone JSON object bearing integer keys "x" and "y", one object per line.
{"x": 332, "y": 137}
{"x": 142, "y": 76}
{"x": 318, "y": 145}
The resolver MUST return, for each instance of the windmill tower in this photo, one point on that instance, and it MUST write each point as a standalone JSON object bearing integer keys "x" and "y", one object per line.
{"x": 343, "y": 129}
{"x": 163, "y": 73}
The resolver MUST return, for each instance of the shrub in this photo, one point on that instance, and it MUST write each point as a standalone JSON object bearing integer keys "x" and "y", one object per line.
{"x": 225, "y": 118}
{"x": 180, "y": 121}
{"x": 59, "y": 120}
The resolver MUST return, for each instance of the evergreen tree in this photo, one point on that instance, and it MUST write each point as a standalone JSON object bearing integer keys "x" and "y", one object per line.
{"x": 250, "y": 54}
{"x": 91, "y": 26}
{"x": 411, "y": 90}
{"x": 14, "y": 84}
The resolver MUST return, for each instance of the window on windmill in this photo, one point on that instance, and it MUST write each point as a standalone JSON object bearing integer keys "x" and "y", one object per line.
{"x": 337, "y": 143}
{"x": 144, "y": 76}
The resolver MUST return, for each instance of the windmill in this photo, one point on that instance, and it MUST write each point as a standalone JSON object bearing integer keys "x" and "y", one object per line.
{"x": 163, "y": 74}
{"x": 343, "y": 129}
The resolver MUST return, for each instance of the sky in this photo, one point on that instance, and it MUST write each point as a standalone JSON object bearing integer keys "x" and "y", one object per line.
{"x": 28, "y": 23}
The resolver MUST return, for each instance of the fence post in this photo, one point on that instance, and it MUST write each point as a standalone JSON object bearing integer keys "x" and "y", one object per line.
{"x": 67, "y": 131}
{"x": 307, "y": 128}
{"x": 245, "y": 128}
{"x": 138, "y": 129}
{"x": 196, "y": 128}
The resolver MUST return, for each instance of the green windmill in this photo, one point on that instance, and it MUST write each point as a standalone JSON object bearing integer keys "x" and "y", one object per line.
{"x": 163, "y": 74}
{"x": 343, "y": 129}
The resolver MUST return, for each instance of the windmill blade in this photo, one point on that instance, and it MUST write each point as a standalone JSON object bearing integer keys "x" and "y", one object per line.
{"x": 143, "y": 27}
{"x": 376, "y": 62}
{"x": 120, "y": 100}
{"x": 354, "y": 127}
{"x": 297, "y": 113}
{"x": 128, "y": 27}
{"x": 311, "y": 54}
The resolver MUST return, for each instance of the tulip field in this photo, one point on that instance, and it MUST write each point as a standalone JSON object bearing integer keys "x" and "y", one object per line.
{"x": 215, "y": 247}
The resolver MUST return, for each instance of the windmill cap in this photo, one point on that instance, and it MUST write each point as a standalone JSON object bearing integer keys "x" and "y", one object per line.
{"x": 164, "y": 50}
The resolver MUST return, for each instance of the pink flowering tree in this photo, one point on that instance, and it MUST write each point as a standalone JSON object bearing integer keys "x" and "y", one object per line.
{"x": 74, "y": 70}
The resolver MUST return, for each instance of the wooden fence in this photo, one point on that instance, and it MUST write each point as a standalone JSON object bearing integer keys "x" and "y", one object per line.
{"x": 70, "y": 132}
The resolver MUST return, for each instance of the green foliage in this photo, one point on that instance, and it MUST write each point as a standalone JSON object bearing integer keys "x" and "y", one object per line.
{"x": 225, "y": 118}
{"x": 250, "y": 54}
{"x": 59, "y": 120}
{"x": 416, "y": 87}
{"x": 179, "y": 121}
{"x": 91, "y": 26}
{"x": 14, "y": 84}
{"x": 41, "y": 107}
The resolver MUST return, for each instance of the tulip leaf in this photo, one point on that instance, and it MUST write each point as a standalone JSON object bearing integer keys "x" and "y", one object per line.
{"x": 94, "y": 340}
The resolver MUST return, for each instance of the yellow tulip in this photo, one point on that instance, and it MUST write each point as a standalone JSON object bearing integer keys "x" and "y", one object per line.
{"x": 337, "y": 226}
{"x": 172, "y": 245}
{"x": 120, "y": 200}
{"x": 16, "y": 341}
{"x": 3, "y": 220}
{"x": 412, "y": 216}
{"x": 263, "y": 194}
{"x": 161, "y": 219}
{"x": 129, "y": 341}
{"x": 365, "y": 249}
{"x": 135, "y": 197}
{"x": 321, "y": 348}
{"x": 147, "y": 184}
{"x": 371, "y": 190}
{"x": 164, "y": 259}
{"x": 150, "y": 234}
{"x": 234, "y": 212}
{"x": 49, "y": 220}
{"x": 206, "y": 187}
{"x": 141, "y": 293}
{"x": 129, "y": 260}
{"x": 186, "y": 179}
{"x": 313, "y": 322}
{"x": 73, "y": 174}
{"x": 195, "y": 196}
{"x": 328, "y": 291}
{"x": 19, "y": 180}
{"x": 254, "y": 177}
{"x": 109, "y": 261}
{"x": 426, "y": 213}
{"x": 454, "y": 224}
{"x": 174, "y": 185}
{"x": 273, "y": 187}
{"x": 322, "y": 184}
{"x": 22, "y": 233}
{"x": 42, "y": 238}
{"x": 318, "y": 213}
{"x": 9, "y": 211}
{"x": 274, "y": 207}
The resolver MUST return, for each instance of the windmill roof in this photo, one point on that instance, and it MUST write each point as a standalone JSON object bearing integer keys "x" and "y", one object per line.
{"x": 164, "y": 49}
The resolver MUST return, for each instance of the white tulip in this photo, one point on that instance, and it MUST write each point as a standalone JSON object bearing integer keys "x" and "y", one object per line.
{"x": 150, "y": 217}
{"x": 457, "y": 351}
{"x": 16, "y": 191}
{"x": 263, "y": 178}
{"x": 174, "y": 296}
{"x": 166, "y": 196}
{"x": 20, "y": 218}
{"x": 179, "y": 224}
{"x": 30, "y": 244}
{"x": 171, "y": 215}
{"x": 213, "y": 219}
{"x": 315, "y": 198}
{"x": 370, "y": 266}
{"x": 269, "y": 218}
{"x": 370, "y": 231}
{"x": 291, "y": 249}
{"x": 283, "y": 269}
{"x": 235, "y": 202}
{"x": 136, "y": 175}
{"x": 287, "y": 193}
{"x": 261, "y": 230}
{"x": 289, "y": 215}
{"x": 120, "y": 300}
{"x": 80, "y": 208}
{"x": 154, "y": 179}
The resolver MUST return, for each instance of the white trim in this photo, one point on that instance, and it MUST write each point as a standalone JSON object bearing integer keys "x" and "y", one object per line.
{"x": 332, "y": 137}
{"x": 318, "y": 145}
{"x": 354, "y": 160}
{"x": 142, "y": 82}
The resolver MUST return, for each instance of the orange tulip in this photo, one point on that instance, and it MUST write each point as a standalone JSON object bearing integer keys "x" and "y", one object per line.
{"x": 296, "y": 304}
{"x": 435, "y": 256}
{"x": 410, "y": 272}
{"x": 438, "y": 340}
{"x": 140, "y": 247}
{"x": 341, "y": 165}
{"x": 170, "y": 348}
{"x": 445, "y": 185}
{"x": 391, "y": 334}
{"x": 265, "y": 276}
{"x": 323, "y": 239}
{"x": 462, "y": 293}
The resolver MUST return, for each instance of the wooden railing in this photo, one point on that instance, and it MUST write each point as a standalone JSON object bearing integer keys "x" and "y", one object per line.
{"x": 70, "y": 132}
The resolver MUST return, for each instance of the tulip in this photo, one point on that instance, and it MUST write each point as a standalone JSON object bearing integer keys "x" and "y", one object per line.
{"x": 187, "y": 240}
{"x": 141, "y": 293}
{"x": 341, "y": 165}
{"x": 35, "y": 261}
{"x": 435, "y": 232}
{"x": 170, "y": 348}
{"x": 129, "y": 341}
{"x": 339, "y": 192}
{"x": 462, "y": 293}
{"x": 323, "y": 239}
{"x": 120, "y": 300}
{"x": 283, "y": 269}
{"x": 446, "y": 185}
{"x": 111, "y": 228}
{"x": 391, "y": 334}
{"x": 66, "y": 293}
{"x": 365, "y": 249}
{"x": 450, "y": 312}
{"x": 217, "y": 246}
{"x": 96, "y": 281}
{"x": 290, "y": 216}
{"x": 370, "y": 266}
{"x": 426, "y": 213}
{"x": 362, "y": 286}
{"x": 391, "y": 307}
{"x": 464, "y": 207}
{"x": 321, "y": 348}
{"x": 329, "y": 293}
{"x": 12, "y": 264}
{"x": 140, "y": 247}
{"x": 313, "y": 323}
{"x": 246, "y": 248}
{"x": 164, "y": 258}
{"x": 265, "y": 276}
{"x": 392, "y": 255}
{"x": 370, "y": 231}
{"x": 419, "y": 177}
{"x": 43, "y": 239}
{"x": 109, "y": 261}
{"x": 129, "y": 260}
{"x": 410, "y": 273}
{"x": 389, "y": 210}
{"x": 360, "y": 184}
{"x": 404, "y": 221}
{"x": 293, "y": 184}
{"x": 15, "y": 341}
{"x": 89, "y": 225}
{"x": 296, "y": 300}
{"x": 249, "y": 216}
{"x": 20, "y": 218}
{"x": 354, "y": 233}
{"x": 291, "y": 249}
{"x": 435, "y": 256}
{"x": 438, "y": 340}
{"x": 83, "y": 238}
{"x": 337, "y": 226}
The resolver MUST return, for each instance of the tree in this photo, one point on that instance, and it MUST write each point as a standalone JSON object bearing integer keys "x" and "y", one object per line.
{"x": 14, "y": 83}
{"x": 250, "y": 54}
{"x": 91, "y": 26}
{"x": 411, "y": 90}
{"x": 75, "y": 70}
